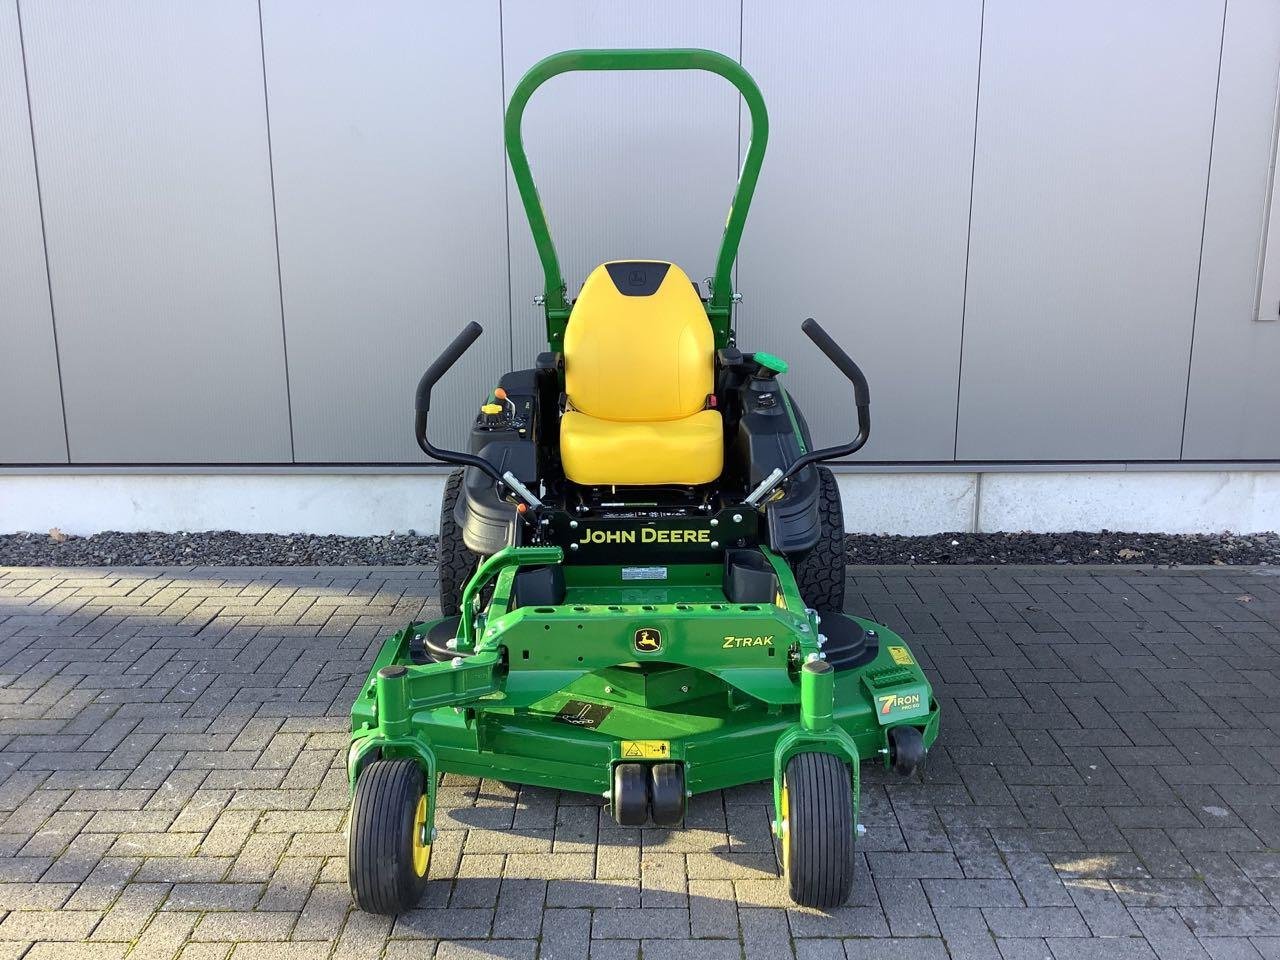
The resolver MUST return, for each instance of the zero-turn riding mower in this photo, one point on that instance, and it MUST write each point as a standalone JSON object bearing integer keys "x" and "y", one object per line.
{"x": 641, "y": 574}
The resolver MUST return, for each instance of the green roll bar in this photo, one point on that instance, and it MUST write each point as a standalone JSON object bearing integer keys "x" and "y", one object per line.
{"x": 720, "y": 307}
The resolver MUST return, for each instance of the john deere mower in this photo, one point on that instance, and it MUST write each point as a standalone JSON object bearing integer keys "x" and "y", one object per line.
{"x": 641, "y": 574}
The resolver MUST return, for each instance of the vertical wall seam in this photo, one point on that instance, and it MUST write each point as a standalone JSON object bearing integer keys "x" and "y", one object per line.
{"x": 1268, "y": 199}
{"x": 275, "y": 229}
{"x": 968, "y": 235}
{"x": 506, "y": 185}
{"x": 1204, "y": 225}
{"x": 975, "y": 525}
{"x": 44, "y": 236}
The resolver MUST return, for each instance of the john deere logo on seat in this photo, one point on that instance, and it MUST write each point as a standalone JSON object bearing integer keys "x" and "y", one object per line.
{"x": 648, "y": 640}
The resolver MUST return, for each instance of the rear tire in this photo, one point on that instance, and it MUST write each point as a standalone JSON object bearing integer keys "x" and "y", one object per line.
{"x": 456, "y": 562}
{"x": 817, "y": 833}
{"x": 820, "y": 572}
{"x": 389, "y": 847}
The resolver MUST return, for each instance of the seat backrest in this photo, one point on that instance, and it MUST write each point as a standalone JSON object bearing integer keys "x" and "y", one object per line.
{"x": 638, "y": 345}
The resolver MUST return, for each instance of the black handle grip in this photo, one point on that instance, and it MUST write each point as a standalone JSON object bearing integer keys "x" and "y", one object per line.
{"x": 853, "y": 373}
{"x": 422, "y": 403}
{"x": 450, "y": 355}
{"x": 861, "y": 398}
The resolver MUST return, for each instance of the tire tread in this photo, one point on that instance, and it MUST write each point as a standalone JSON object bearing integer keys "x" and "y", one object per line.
{"x": 379, "y": 850}
{"x": 456, "y": 563}
{"x": 821, "y": 830}
{"x": 820, "y": 572}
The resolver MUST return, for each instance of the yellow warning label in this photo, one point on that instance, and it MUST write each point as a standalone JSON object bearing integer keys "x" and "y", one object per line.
{"x": 646, "y": 749}
{"x": 901, "y": 656}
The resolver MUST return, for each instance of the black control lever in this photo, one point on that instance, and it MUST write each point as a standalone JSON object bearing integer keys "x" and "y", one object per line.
{"x": 861, "y": 398}
{"x": 422, "y": 403}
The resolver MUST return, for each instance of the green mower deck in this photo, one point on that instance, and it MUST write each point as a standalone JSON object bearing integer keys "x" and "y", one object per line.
{"x": 560, "y": 696}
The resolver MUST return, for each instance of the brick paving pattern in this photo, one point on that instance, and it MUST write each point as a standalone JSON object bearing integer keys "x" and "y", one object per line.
{"x": 1107, "y": 784}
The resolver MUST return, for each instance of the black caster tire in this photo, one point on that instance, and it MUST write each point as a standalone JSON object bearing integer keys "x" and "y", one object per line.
{"x": 817, "y": 830}
{"x": 630, "y": 794}
{"x": 455, "y": 562}
{"x": 906, "y": 750}
{"x": 820, "y": 572}
{"x": 389, "y": 847}
{"x": 666, "y": 793}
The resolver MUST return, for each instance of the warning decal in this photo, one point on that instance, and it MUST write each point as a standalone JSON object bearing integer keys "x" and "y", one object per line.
{"x": 645, "y": 749}
{"x": 578, "y": 713}
{"x": 901, "y": 656}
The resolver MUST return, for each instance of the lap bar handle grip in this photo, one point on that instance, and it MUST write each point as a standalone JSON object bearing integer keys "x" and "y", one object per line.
{"x": 422, "y": 403}
{"x": 461, "y": 343}
{"x": 861, "y": 399}
{"x": 835, "y": 353}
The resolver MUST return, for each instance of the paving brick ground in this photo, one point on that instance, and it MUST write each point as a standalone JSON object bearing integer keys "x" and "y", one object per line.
{"x": 1107, "y": 784}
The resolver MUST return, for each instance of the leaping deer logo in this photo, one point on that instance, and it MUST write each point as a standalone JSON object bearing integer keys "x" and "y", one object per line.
{"x": 648, "y": 640}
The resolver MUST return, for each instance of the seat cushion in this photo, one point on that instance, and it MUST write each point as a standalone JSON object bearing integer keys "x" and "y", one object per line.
{"x": 604, "y": 452}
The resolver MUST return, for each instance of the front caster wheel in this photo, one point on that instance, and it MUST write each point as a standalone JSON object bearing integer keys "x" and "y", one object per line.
{"x": 389, "y": 847}
{"x": 666, "y": 793}
{"x": 816, "y": 811}
{"x": 906, "y": 750}
{"x": 630, "y": 794}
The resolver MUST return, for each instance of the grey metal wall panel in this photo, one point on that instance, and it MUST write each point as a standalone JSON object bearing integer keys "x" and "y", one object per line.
{"x": 1095, "y": 142}
{"x": 1094, "y": 125}
{"x": 628, "y": 165}
{"x": 151, "y": 137}
{"x": 1233, "y": 403}
{"x": 861, "y": 216}
{"x": 31, "y": 429}
{"x": 386, "y": 134}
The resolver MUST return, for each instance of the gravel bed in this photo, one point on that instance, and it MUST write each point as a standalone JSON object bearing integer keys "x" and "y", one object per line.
{"x": 226, "y": 548}
{"x": 214, "y": 548}
{"x": 1107, "y": 547}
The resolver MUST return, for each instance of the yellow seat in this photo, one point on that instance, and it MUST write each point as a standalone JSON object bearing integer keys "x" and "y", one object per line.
{"x": 639, "y": 360}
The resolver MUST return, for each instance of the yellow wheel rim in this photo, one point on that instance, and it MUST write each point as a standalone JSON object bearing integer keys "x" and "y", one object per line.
{"x": 421, "y": 845}
{"x": 784, "y": 832}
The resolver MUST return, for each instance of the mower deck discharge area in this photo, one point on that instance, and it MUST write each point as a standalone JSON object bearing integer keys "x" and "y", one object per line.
{"x": 641, "y": 587}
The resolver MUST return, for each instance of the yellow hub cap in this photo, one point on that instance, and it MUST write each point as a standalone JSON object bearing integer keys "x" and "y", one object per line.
{"x": 784, "y": 833}
{"x": 421, "y": 846}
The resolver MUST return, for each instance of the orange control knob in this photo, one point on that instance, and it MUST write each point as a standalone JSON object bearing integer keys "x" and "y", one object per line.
{"x": 500, "y": 393}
